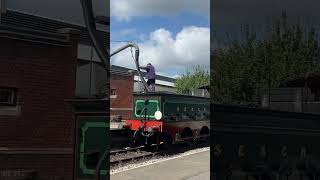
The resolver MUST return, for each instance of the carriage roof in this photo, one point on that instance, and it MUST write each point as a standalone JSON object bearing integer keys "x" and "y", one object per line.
{"x": 168, "y": 94}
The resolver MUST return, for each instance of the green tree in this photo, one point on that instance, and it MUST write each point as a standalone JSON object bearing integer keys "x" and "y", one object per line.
{"x": 284, "y": 53}
{"x": 191, "y": 80}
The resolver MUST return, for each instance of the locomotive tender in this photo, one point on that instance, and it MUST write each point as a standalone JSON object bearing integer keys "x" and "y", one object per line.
{"x": 180, "y": 118}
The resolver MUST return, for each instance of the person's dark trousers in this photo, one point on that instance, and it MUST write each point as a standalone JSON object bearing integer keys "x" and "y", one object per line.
{"x": 151, "y": 83}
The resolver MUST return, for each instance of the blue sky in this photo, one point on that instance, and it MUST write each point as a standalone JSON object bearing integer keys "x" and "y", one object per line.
{"x": 173, "y": 39}
{"x": 145, "y": 25}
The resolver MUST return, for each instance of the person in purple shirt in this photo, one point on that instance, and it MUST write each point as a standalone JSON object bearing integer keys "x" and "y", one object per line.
{"x": 151, "y": 76}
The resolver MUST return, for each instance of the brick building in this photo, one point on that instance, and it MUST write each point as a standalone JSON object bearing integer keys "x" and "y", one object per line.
{"x": 39, "y": 70}
{"x": 121, "y": 89}
{"x": 21, "y": 14}
{"x": 37, "y": 73}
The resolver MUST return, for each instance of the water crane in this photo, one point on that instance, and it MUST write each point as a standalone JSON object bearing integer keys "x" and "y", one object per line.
{"x": 90, "y": 21}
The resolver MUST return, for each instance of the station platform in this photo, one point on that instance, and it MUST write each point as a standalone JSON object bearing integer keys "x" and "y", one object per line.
{"x": 190, "y": 167}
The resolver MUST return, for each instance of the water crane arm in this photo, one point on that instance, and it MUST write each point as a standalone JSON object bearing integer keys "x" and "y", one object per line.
{"x": 91, "y": 26}
{"x": 90, "y": 23}
{"x": 136, "y": 60}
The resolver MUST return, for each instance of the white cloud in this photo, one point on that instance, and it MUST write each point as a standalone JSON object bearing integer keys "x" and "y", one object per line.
{"x": 126, "y": 9}
{"x": 171, "y": 55}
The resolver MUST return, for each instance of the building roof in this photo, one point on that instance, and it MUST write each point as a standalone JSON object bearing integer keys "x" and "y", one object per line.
{"x": 103, "y": 20}
{"x": 119, "y": 69}
{"x": 24, "y": 20}
{"x": 171, "y": 94}
{"x": 126, "y": 71}
{"x": 66, "y": 10}
{"x": 31, "y": 35}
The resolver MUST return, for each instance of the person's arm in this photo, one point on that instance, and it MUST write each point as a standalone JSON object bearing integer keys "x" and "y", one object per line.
{"x": 146, "y": 68}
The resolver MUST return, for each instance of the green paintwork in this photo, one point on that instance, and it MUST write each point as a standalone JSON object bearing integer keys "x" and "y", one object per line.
{"x": 190, "y": 107}
{"x": 178, "y": 111}
{"x": 152, "y": 107}
{"x": 92, "y": 136}
{"x": 93, "y": 132}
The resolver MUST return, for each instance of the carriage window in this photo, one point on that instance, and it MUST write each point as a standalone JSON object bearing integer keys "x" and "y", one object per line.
{"x": 149, "y": 108}
{"x": 191, "y": 109}
{"x": 178, "y": 108}
{"x": 178, "y": 117}
{"x": 185, "y": 108}
{"x": 198, "y": 117}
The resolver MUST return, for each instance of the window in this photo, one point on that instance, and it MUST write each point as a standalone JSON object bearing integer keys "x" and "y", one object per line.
{"x": 113, "y": 93}
{"x": 8, "y": 96}
{"x": 148, "y": 107}
{"x": 242, "y": 151}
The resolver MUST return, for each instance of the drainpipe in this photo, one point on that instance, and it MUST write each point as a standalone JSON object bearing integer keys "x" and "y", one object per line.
{"x": 3, "y": 8}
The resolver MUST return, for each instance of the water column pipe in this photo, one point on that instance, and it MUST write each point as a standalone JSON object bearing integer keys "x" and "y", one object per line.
{"x": 136, "y": 60}
{"x": 90, "y": 22}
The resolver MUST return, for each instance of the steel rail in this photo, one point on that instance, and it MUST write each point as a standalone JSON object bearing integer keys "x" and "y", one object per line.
{"x": 135, "y": 157}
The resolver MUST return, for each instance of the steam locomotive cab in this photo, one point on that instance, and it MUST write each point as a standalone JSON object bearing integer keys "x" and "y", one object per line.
{"x": 147, "y": 123}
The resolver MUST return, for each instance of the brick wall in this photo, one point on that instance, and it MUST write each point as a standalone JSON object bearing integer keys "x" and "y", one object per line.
{"x": 44, "y": 76}
{"x": 48, "y": 167}
{"x": 122, "y": 103}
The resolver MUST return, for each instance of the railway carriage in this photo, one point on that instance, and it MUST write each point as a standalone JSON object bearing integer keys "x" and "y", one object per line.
{"x": 169, "y": 118}
{"x": 256, "y": 143}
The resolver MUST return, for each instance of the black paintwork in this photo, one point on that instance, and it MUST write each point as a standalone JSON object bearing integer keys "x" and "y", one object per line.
{"x": 247, "y": 130}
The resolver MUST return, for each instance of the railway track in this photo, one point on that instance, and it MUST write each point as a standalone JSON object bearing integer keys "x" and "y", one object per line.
{"x": 129, "y": 149}
{"x": 123, "y": 156}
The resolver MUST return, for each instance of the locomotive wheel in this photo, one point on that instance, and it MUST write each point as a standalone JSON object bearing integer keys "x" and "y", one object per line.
{"x": 207, "y": 139}
{"x": 167, "y": 141}
{"x": 147, "y": 142}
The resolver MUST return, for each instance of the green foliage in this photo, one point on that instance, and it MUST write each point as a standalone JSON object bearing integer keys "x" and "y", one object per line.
{"x": 192, "y": 79}
{"x": 286, "y": 52}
